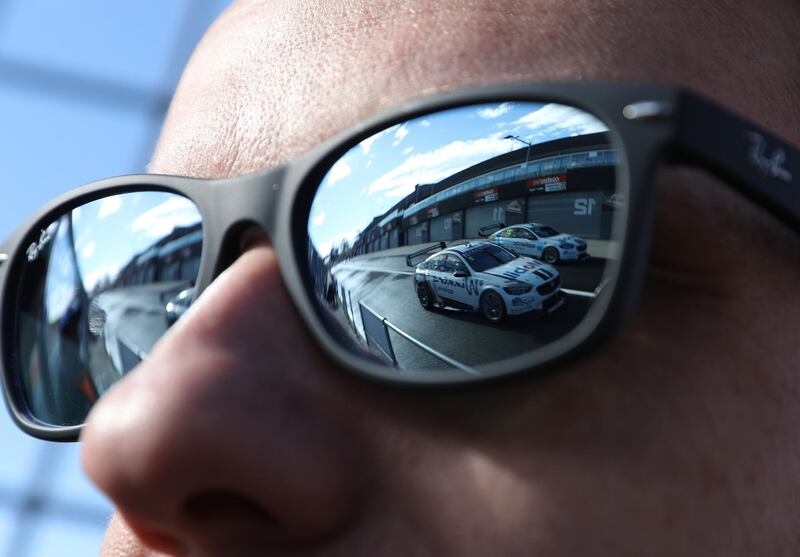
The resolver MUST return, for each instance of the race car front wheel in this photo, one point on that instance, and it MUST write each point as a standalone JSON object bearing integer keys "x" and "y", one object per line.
{"x": 424, "y": 295}
{"x": 492, "y": 306}
{"x": 550, "y": 255}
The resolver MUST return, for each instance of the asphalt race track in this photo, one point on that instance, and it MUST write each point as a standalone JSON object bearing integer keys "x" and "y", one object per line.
{"x": 384, "y": 283}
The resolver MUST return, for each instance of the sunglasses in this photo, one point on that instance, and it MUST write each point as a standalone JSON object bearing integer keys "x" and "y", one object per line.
{"x": 462, "y": 238}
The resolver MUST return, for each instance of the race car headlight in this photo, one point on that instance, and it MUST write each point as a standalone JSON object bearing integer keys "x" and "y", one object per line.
{"x": 566, "y": 245}
{"x": 517, "y": 290}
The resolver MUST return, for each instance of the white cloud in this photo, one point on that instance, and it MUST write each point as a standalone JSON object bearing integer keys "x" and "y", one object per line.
{"x": 325, "y": 247}
{"x": 109, "y": 206}
{"x": 366, "y": 144}
{"x": 163, "y": 219}
{"x": 339, "y": 171}
{"x": 100, "y": 273}
{"x": 432, "y": 166}
{"x": 425, "y": 123}
{"x": 401, "y": 132}
{"x": 555, "y": 120}
{"x": 369, "y": 163}
{"x": 407, "y": 150}
{"x": 496, "y": 112}
{"x": 88, "y": 250}
{"x": 400, "y": 135}
{"x": 502, "y": 135}
{"x": 319, "y": 218}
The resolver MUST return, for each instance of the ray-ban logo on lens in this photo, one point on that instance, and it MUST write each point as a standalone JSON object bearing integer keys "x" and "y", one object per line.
{"x": 36, "y": 247}
{"x": 769, "y": 165}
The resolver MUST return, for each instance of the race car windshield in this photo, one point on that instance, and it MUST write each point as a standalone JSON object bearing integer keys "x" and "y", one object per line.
{"x": 546, "y": 231}
{"x": 487, "y": 257}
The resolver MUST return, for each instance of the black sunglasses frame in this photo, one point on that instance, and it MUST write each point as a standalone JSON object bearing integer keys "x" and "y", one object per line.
{"x": 648, "y": 124}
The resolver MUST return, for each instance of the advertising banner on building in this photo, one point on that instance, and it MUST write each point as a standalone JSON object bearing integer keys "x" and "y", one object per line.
{"x": 514, "y": 207}
{"x": 485, "y": 196}
{"x": 547, "y": 184}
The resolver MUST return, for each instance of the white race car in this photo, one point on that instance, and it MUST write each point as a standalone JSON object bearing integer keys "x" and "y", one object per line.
{"x": 485, "y": 277}
{"x": 541, "y": 241}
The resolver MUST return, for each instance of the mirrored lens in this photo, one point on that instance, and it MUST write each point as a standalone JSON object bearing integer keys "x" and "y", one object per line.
{"x": 99, "y": 287}
{"x": 468, "y": 236}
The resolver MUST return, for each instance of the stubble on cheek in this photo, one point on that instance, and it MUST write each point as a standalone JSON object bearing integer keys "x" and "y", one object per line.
{"x": 119, "y": 541}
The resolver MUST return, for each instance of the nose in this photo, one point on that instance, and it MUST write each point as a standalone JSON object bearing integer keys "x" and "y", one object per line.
{"x": 229, "y": 435}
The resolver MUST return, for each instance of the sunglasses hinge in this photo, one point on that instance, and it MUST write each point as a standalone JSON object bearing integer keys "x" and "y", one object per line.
{"x": 647, "y": 110}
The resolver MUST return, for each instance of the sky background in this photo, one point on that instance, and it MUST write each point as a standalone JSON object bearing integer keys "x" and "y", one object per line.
{"x": 84, "y": 85}
{"x": 146, "y": 217}
{"x": 381, "y": 170}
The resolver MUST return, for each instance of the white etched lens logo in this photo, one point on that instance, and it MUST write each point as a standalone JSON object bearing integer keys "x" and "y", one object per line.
{"x": 36, "y": 247}
{"x": 769, "y": 165}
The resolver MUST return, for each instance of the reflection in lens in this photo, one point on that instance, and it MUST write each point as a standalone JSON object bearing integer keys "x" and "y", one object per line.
{"x": 468, "y": 236}
{"x": 100, "y": 285}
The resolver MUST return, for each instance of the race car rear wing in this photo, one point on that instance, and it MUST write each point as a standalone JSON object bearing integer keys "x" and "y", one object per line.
{"x": 424, "y": 251}
{"x": 484, "y": 231}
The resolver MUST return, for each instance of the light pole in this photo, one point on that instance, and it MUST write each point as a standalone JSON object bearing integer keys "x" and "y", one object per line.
{"x": 527, "y": 153}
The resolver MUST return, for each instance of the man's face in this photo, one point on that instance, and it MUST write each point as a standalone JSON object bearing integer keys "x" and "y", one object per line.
{"x": 238, "y": 437}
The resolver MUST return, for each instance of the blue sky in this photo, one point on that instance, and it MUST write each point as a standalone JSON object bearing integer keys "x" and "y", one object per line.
{"x": 382, "y": 169}
{"x": 83, "y": 89}
{"x": 143, "y": 217}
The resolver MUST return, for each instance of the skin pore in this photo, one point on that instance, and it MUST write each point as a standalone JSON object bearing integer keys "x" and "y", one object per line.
{"x": 238, "y": 437}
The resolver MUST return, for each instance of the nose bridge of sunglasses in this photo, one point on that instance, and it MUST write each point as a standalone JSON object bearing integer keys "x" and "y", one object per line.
{"x": 239, "y": 204}
{"x": 238, "y": 211}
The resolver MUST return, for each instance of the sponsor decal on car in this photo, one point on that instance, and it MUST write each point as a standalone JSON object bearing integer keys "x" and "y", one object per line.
{"x": 447, "y": 281}
{"x": 473, "y": 286}
{"x": 518, "y": 271}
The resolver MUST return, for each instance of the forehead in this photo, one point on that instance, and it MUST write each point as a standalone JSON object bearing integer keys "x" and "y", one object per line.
{"x": 273, "y": 79}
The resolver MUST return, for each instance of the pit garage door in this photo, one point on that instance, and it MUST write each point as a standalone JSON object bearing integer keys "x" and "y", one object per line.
{"x": 446, "y": 228}
{"x": 575, "y": 213}
{"x": 507, "y": 212}
{"x": 394, "y": 238}
{"x": 417, "y": 234}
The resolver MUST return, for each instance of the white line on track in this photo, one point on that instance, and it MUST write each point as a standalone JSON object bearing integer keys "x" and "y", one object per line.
{"x": 580, "y": 293}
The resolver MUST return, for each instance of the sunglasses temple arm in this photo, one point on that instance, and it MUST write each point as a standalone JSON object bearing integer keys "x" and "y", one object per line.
{"x": 759, "y": 164}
